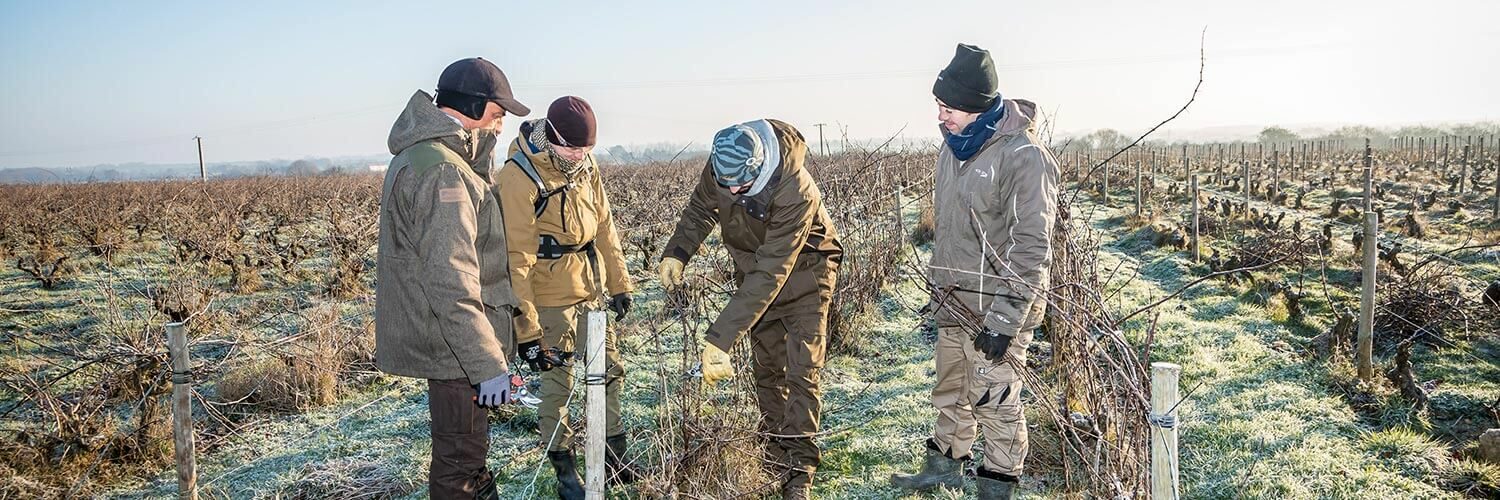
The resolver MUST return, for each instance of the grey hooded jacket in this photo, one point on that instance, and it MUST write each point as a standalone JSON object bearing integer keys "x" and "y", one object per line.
{"x": 993, "y": 218}
{"x": 443, "y": 301}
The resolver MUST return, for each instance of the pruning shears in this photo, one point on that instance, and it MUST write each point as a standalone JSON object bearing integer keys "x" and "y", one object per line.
{"x": 519, "y": 395}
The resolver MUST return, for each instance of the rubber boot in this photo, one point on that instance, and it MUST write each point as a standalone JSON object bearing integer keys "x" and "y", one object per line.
{"x": 938, "y": 470}
{"x": 487, "y": 490}
{"x": 568, "y": 485}
{"x": 996, "y": 486}
{"x": 615, "y": 467}
{"x": 798, "y": 485}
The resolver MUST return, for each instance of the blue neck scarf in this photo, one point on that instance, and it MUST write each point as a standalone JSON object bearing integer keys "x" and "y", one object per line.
{"x": 967, "y": 143}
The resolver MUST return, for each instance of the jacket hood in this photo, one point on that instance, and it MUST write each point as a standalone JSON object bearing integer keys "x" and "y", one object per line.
{"x": 537, "y": 153}
{"x": 1020, "y": 114}
{"x": 422, "y": 121}
{"x": 793, "y": 148}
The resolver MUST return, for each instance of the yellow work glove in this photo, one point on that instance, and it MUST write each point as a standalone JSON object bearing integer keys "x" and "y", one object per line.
{"x": 715, "y": 365}
{"x": 670, "y": 270}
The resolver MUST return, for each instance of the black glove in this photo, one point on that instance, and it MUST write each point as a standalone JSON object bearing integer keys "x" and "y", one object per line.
{"x": 928, "y": 309}
{"x": 539, "y": 357}
{"x": 620, "y": 304}
{"x": 992, "y": 343}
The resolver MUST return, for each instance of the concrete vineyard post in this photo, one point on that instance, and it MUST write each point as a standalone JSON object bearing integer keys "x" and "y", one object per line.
{"x": 1364, "y": 353}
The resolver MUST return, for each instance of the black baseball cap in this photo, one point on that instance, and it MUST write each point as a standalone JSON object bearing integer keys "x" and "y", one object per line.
{"x": 477, "y": 78}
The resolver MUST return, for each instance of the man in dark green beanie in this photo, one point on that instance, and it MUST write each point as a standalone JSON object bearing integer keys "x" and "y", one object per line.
{"x": 994, "y": 204}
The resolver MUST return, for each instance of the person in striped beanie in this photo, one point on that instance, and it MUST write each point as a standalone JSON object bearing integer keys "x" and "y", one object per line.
{"x": 786, "y": 255}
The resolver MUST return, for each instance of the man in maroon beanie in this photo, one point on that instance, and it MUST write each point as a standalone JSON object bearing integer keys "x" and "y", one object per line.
{"x": 562, "y": 243}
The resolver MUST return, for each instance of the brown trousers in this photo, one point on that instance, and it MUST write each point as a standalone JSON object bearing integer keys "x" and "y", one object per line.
{"x": 972, "y": 392}
{"x": 460, "y": 440}
{"x": 789, "y": 353}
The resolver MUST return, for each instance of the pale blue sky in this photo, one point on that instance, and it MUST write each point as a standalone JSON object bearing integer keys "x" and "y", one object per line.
{"x": 111, "y": 82}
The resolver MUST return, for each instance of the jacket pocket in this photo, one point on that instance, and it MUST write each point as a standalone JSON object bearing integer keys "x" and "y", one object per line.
{"x": 804, "y": 281}
{"x": 419, "y": 327}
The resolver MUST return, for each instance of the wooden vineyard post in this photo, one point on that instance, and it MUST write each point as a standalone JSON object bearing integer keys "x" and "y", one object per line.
{"x": 1366, "y": 341}
{"x": 594, "y": 379}
{"x": 1275, "y": 174}
{"x": 1088, "y": 163}
{"x": 897, "y": 223}
{"x": 1104, "y": 191}
{"x": 1138, "y": 187}
{"x": 1463, "y": 170}
{"x": 1193, "y": 191}
{"x": 1258, "y": 171}
{"x": 182, "y": 411}
{"x": 1184, "y": 162}
{"x": 1445, "y": 155}
{"x": 1245, "y": 188}
{"x": 1164, "y": 430}
{"x": 1497, "y": 186}
{"x": 1291, "y": 163}
{"x": 1479, "y": 155}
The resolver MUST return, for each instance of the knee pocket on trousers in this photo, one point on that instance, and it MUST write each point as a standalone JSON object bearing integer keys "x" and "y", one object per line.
{"x": 996, "y": 388}
{"x": 807, "y": 342}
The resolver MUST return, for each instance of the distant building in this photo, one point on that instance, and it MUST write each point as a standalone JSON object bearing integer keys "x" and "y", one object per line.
{"x": 379, "y": 167}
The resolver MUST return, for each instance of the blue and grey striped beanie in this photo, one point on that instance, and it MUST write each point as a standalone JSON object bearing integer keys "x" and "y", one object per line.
{"x": 738, "y": 155}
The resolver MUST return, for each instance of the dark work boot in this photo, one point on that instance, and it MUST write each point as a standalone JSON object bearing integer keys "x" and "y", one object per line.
{"x": 616, "y": 468}
{"x": 798, "y": 484}
{"x": 568, "y": 485}
{"x": 486, "y": 490}
{"x": 938, "y": 470}
{"x": 996, "y": 486}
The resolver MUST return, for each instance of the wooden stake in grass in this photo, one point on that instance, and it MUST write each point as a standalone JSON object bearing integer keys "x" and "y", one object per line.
{"x": 1104, "y": 190}
{"x": 594, "y": 379}
{"x": 1366, "y": 339}
{"x": 1138, "y": 187}
{"x": 1193, "y": 191}
{"x": 1164, "y": 430}
{"x": 182, "y": 411}
{"x": 1184, "y": 162}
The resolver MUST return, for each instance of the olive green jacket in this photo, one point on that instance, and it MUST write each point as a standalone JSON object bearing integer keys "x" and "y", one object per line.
{"x": 443, "y": 301}
{"x": 785, "y": 249}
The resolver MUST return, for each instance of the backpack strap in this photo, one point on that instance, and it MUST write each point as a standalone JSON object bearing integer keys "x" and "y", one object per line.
{"x": 542, "y": 194}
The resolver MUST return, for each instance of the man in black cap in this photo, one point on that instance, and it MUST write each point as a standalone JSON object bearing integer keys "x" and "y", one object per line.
{"x": 994, "y": 202}
{"x": 443, "y": 301}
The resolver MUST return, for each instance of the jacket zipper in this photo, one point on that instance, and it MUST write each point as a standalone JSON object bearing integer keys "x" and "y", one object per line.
{"x": 562, "y": 210}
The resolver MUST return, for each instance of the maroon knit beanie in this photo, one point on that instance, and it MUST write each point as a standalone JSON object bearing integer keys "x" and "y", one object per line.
{"x": 573, "y": 123}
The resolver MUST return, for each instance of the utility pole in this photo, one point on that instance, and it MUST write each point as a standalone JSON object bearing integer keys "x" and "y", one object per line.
{"x": 202, "y": 173}
{"x": 822, "y": 149}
